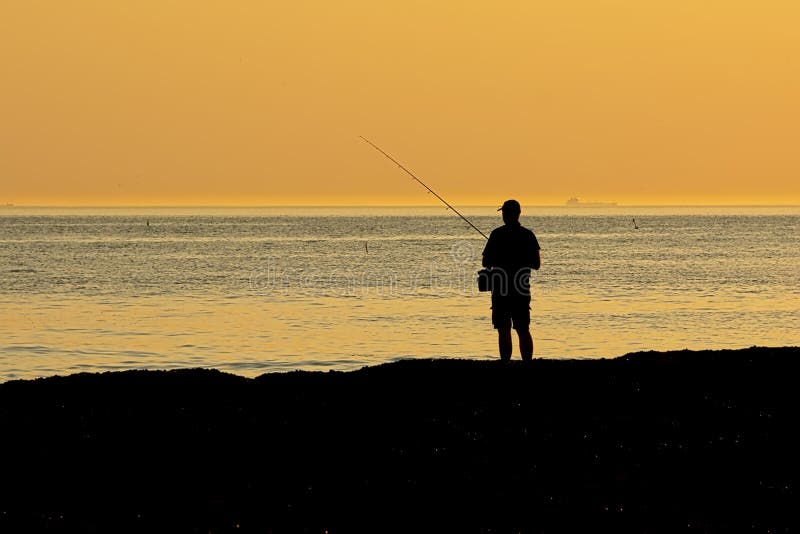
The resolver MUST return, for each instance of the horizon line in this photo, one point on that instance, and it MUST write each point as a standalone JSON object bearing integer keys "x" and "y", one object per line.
{"x": 610, "y": 205}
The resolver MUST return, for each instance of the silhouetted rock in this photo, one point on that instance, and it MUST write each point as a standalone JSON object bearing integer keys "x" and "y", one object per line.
{"x": 654, "y": 442}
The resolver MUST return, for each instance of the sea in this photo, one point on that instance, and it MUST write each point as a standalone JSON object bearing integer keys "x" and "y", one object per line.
{"x": 275, "y": 289}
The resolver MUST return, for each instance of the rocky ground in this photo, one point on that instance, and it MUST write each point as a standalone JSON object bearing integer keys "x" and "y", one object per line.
{"x": 649, "y": 442}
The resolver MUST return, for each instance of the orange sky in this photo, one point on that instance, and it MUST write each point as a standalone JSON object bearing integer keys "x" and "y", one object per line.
{"x": 262, "y": 102}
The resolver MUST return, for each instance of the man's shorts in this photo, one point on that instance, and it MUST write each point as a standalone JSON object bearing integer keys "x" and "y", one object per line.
{"x": 511, "y": 310}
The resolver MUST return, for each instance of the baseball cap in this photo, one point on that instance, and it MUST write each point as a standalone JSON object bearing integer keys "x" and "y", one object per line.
{"x": 511, "y": 206}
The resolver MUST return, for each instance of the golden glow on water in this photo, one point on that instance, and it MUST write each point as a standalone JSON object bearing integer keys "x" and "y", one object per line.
{"x": 251, "y": 335}
{"x": 214, "y": 103}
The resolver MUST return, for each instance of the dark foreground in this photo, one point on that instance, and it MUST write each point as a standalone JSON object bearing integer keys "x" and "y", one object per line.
{"x": 656, "y": 442}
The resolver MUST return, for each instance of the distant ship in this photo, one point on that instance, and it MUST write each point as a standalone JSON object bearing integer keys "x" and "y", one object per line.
{"x": 7, "y": 205}
{"x": 574, "y": 202}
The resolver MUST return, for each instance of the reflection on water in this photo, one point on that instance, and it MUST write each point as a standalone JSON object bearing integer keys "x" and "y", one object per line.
{"x": 256, "y": 290}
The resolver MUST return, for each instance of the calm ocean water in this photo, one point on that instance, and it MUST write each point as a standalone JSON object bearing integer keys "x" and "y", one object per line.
{"x": 252, "y": 290}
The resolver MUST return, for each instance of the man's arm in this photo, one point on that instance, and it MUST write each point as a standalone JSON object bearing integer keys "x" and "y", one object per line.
{"x": 488, "y": 252}
{"x": 536, "y": 258}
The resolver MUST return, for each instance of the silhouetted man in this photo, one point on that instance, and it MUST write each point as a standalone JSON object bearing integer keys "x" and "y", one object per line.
{"x": 512, "y": 251}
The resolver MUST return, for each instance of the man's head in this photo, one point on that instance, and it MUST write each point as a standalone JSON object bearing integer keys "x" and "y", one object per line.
{"x": 511, "y": 211}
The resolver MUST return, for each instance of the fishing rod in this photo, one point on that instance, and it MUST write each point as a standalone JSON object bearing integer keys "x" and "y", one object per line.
{"x": 376, "y": 147}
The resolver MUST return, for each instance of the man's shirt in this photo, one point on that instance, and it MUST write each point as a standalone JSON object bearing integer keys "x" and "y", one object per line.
{"x": 514, "y": 249}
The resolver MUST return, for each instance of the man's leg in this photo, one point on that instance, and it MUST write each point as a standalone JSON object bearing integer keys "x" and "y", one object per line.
{"x": 525, "y": 344}
{"x": 522, "y": 321}
{"x": 504, "y": 342}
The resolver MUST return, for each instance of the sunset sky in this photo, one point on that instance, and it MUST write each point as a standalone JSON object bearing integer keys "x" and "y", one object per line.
{"x": 262, "y": 102}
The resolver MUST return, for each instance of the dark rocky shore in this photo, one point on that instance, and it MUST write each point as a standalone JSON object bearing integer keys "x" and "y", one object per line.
{"x": 649, "y": 442}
